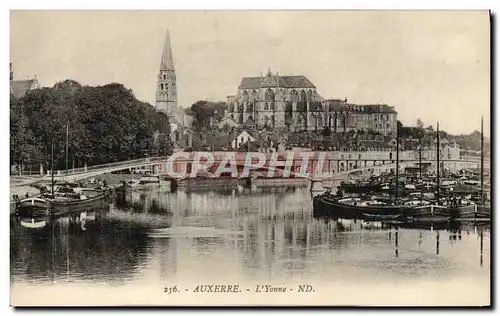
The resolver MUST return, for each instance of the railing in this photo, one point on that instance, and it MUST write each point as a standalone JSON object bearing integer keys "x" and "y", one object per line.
{"x": 127, "y": 164}
{"x": 152, "y": 160}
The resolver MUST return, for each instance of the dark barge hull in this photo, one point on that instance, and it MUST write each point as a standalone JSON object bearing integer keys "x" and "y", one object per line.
{"x": 55, "y": 208}
{"x": 329, "y": 206}
{"x": 32, "y": 212}
{"x": 324, "y": 206}
{"x": 33, "y": 207}
{"x": 97, "y": 202}
{"x": 200, "y": 182}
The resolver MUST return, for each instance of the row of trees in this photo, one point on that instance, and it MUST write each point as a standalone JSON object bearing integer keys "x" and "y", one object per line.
{"x": 470, "y": 141}
{"x": 103, "y": 124}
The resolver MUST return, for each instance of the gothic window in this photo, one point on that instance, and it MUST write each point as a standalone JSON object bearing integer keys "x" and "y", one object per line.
{"x": 303, "y": 95}
{"x": 319, "y": 121}
{"x": 269, "y": 95}
{"x": 294, "y": 96}
{"x": 272, "y": 120}
{"x": 164, "y": 77}
{"x": 161, "y": 86}
{"x": 309, "y": 95}
{"x": 266, "y": 107}
{"x": 245, "y": 96}
{"x": 272, "y": 106}
{"x": 266, "y": 121}
{"x": 254, "y": 95}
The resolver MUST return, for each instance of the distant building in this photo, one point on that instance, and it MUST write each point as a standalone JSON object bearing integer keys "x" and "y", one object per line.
{"x": 229, "y": 122}
{"x": 188, "y": 118}
{"x": 292, "y": 103}
{"x": 19, "y": 88}
{"x": 241, "y": 139}
{"x": 449, "y": 151}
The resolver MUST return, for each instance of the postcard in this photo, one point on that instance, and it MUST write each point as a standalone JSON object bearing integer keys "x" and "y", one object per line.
{"x": 250, "y": 158}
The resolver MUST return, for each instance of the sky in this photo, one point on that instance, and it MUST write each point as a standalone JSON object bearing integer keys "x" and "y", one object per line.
{"x": 432, "y": 65}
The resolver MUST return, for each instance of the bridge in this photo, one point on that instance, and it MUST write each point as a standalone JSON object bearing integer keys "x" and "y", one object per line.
{"x": 333, "y": 166}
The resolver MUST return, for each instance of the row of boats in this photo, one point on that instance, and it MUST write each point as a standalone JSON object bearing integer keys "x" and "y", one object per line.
{"x": 409, "y": 198}
{"x": 68, "y": 196}
{"x": 381, "y": 207}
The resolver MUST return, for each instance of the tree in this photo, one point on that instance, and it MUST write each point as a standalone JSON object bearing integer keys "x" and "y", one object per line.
{"x": 206, "y": 111}
{"x": 21, "y": 144}
{"x": 105, "y": 123}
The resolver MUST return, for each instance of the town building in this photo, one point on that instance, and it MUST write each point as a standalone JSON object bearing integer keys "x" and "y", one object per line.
{"x": 19, "y": 88}
{"x": 241, "y": 139}
{"x": 293, "y": 104}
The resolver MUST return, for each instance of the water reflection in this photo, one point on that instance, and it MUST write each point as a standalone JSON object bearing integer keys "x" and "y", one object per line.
{"x": 79, "y": 246}
{"x": 156, "y": 235}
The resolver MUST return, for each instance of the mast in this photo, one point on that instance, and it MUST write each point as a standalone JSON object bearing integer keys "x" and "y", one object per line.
{"x": 397, "y": 164}
{"x": 438, "y": 152}
{"x": 52, "y": 165}
{"x": 67, "y": 139}
{"x": 420, "y": 157}
{"x": 482, "y": 163}
{"x": 420, "y": 164}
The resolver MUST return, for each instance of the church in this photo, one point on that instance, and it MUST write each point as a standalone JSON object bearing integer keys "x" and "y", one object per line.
{"x": 293, "y": 104}
{"x": 19, "y": 88}
{"x": 283, "y": 104}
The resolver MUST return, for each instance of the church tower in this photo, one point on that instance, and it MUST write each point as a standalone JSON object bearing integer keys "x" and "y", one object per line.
{"x": 166, "y": 89}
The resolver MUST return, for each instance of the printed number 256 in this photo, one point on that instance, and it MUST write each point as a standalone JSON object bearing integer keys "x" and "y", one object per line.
{"x": 170, "y": 289}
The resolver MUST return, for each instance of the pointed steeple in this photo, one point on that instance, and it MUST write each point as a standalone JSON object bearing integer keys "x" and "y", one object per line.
{"x": 166, "y": 89}
{"x": 167, "y": 61}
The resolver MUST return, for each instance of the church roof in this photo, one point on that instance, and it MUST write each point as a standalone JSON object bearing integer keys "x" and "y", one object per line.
{"x": 20, "y": 87}
{"x": 167, "y": 61}
{"x": 284, "y": 81}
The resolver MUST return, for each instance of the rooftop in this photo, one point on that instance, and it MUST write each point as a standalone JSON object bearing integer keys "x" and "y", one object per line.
{"x": 281, "y": 81}
{"x": 20, "y": 87}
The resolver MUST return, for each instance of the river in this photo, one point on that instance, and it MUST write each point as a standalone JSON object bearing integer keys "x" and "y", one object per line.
{"x": 156, "y": 240}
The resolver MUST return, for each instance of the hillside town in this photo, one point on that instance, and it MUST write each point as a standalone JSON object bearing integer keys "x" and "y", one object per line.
{"x": 268, "y": 113}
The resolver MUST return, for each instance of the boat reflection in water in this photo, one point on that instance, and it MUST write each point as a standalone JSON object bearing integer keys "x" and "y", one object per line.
{"x": 157, "y": 237}
{"x": 85, "y": 245}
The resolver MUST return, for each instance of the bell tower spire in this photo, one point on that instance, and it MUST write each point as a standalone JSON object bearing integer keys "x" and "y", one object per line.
{"x": 166, "y": 89}
{"x": 167, "y": 61}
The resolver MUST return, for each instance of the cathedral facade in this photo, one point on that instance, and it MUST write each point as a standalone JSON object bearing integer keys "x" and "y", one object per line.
{"x": 292, "y": 104}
